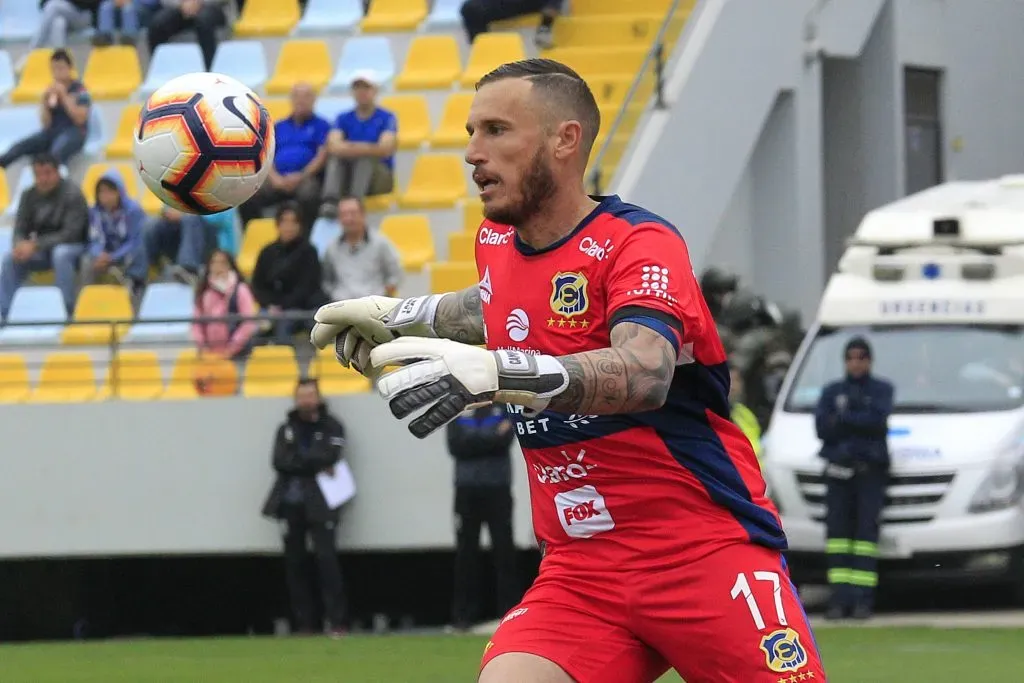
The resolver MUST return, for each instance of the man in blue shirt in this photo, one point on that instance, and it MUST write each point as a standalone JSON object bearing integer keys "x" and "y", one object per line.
{"x": 298, "y": 161}
{"x": 360, "y": 148}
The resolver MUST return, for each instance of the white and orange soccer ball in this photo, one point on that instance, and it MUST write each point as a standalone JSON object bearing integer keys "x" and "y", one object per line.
{"x": 204, "y": 143}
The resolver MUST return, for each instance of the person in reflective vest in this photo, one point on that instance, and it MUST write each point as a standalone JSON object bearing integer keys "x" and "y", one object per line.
{"x": 743, "y": 416}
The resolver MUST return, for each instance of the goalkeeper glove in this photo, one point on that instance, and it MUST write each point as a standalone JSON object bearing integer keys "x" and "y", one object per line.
{"x": 450, "y": 377}
{"x": 355, "y": 326}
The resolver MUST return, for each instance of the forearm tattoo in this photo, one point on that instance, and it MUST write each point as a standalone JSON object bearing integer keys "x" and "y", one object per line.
{"x": 460, "y": 317}
{"x": 630, "y": 377}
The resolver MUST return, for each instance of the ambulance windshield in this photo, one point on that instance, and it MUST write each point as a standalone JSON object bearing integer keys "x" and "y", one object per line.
{"x": 934, "y": 368}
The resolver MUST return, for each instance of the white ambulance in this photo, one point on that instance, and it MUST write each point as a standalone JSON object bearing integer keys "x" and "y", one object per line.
{"x": 935, "y": 282}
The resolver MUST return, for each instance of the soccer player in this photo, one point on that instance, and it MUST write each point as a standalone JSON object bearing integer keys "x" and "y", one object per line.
{"x": 660, "y": 547}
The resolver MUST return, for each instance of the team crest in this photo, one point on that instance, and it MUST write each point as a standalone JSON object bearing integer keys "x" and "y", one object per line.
{"x": 783, "y": 652}
{"x": 569, "y": 294}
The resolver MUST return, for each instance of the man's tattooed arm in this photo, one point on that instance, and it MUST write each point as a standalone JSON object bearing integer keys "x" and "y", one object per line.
{"x": 460, "y": 316}
{"x": 631, "y": 376}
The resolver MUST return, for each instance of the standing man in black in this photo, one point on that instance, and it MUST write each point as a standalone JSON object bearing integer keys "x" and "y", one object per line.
{"x": 309, "y": 442}
{"x": 480, "y": 440}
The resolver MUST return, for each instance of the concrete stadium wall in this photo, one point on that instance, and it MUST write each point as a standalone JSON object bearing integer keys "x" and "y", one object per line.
{"x": 123, "y": 478}
{"x": 786, "y": 124}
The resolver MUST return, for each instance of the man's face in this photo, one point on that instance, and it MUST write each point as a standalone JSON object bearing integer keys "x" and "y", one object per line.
{"x": 60, "y": 70}
{"x": 303, "y": 100}
{"x": 47, "y": 177}
{"x": 108, "y": 197}
{"x": 351, "y": 216}
{"x": 363, "y": 93}
{"x": 858, "y": 363}
{"x": 508, "y": 148}
{"x": 307, "y": 399}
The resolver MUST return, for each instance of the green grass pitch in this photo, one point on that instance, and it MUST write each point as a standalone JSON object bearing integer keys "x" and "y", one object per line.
{"x": 868, "y": 655}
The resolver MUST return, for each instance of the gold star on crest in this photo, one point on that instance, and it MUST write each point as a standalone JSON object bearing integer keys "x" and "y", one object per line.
{"x": 585, "y": 324}
{"x": 551, "y": 322}
{"x": 572, "y": 323}
{"x": 561, "y": 322}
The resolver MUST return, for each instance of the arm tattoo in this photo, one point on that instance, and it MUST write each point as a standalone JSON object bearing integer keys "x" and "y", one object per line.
{"x": 631, "y": 376}
{"x": 460, "y": 316}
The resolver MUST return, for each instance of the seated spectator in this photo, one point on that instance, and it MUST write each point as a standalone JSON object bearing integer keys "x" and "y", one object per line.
{"x": 298, "y": 160}
{"x": 477, "y": 16}
{"x": 64, "y": 114}
{"x": 202, "y": 16}
{"x": 361, "y": 148}
{"x": 222, "y": 293}
{"x": 182, "y": 238}
{"x": 286, "y": 278}
{"x": 58, "y": 18}
{"x": 122, "y": 19}
{"x": 361, "y": 262}
{"x": 49, "y": 232}
{"x": 115, "y": 236}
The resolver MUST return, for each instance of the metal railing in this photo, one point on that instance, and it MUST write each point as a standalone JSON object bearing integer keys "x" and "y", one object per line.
{"x": 655, "y": 61}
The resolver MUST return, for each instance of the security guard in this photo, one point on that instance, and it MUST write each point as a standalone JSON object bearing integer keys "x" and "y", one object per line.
{"x": 743, "y": 416}
{"x": 852, "y": 422}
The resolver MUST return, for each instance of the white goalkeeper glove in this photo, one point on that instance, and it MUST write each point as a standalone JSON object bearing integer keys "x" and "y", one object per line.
{"x": 450, "y": 377}
{"x": 356, "y": 326}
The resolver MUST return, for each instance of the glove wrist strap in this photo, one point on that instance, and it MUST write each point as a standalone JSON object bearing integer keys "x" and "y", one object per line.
{"x": 529, "y": 380}
{"x": 415, "y": 316}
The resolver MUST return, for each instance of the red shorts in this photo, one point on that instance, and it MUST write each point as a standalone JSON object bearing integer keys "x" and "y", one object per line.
{"x": 731, "y": 617}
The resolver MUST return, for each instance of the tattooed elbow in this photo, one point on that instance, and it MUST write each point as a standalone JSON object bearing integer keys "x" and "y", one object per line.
{"x": 656, "y": 394}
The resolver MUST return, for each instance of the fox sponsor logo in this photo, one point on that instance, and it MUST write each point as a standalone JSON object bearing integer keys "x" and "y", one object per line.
{"x": 494, "y": 237}
{"x": 583, "y": 513}
{"x": 595, "y": 249}
{"x": 555, "y": 474}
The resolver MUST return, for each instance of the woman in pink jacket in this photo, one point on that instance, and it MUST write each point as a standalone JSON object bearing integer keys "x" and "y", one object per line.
{"x": 222, "y": 292}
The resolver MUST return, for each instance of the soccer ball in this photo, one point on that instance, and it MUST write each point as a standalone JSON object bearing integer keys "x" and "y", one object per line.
{"x": 204, "y": 143}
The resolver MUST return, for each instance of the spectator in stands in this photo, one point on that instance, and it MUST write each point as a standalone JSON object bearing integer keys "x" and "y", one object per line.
{"x": 183, "y": 238}
{"x": 64, "y": 113}
{"x": 49, "y": 232}
{"x": 298, "y": 160}
{"x": 115, "y": 236}
{"x": 477, "y": 16}
{"x": 122, "y": 19}
{"x": 310, "y": 441}
{"x": 361, "y": 147}
{"x": 223, "y": 293}
{"x": 286, "y": 278}
{"x": 361, "y": 262}
{"x": 60, "y": 17}
{"x": 202, "y": 16}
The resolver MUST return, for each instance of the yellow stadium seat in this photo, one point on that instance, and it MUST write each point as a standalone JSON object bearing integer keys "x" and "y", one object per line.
{"x": 438, "y": 181}
{"x": 182, "y": 384}
{"x": 491, "y": 50}
{"x": 432, "y": 62}
{"x": 151, "y": 204}
{"x": 267, "y": 18}
{"x": 5, "y": 191}
{"x": 462, "y": 246}
{"x": 271, "y": 371}
{"x": 410, "y": 233}
{"x": 134, "y": 376}
{"x": 306, "y": 61}
{"x": 394, "y": 15}
{"x": 35, "y": 78}
{"x": 624, "y": 62}
{"x": 451, "y": 132}
{"x": 113, "y": 73}
{"x": 129, "y": 177}
{"x": 632, "y": 114}
{"x": 334, "y": 378}
{"x": 451, "y": 276}
{"x": 259, "y": 232}
{"x": 99, "y": 302}
{"x": 587, "y": 8}
{"x": 66, "y": 378}
{"x": 472, "y": 216}
{"x": 531, "y": 20}
{"x": 606, "y": 31}
{"x": 379, "y": 202}
{"x": 413, "y": 118}
{"x": 14, "y": 386}
{"x": 279, "y": 108}
{"x": 121, "y": 147}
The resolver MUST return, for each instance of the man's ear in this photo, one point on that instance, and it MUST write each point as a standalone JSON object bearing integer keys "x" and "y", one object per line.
{"x": 570, "y": 139}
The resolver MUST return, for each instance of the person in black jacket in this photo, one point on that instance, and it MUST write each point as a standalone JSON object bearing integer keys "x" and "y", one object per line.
{"x": 852, "y": 421}
{"x": 480, "y": 440}
{"x": 310, "y": 441}
{"x": 286, "y": 278}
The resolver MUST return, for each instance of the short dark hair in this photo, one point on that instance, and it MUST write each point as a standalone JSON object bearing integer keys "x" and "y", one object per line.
{"x": 560, "y": 87}
{"x": 287, "y": 206}
{"x": 353, "y": 198}
{"x": 308, "y": 382}
{"x": 62, "y": 55}
{"x": 45, "y": 159}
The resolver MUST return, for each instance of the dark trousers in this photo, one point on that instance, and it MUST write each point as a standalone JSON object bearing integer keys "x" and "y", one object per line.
{"x": 854, "y": 507}
{"x": 325, "y": 554}
{"x": 474, "y": 507}
{"x": 63, "y": 144}
{"x": 169, "y": 21}
{"x": 478, "y": 14}
{"x": 307, "y": 194}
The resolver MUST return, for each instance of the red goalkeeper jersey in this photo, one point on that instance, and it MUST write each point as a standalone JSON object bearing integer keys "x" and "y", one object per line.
{"x": 667, "y": 485}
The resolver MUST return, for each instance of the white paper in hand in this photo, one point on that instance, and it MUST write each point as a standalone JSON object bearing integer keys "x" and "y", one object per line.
{"x": 338, "y": 488}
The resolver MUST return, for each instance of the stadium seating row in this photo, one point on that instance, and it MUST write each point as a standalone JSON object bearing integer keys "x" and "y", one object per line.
{"x": 137, "y": 375}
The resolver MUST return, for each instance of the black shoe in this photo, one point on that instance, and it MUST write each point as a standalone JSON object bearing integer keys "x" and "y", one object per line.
{"x": 862, "y": 612}
{"x": 835, "y": 613}
{"x": 102, "y": 40}
{"x": 329, "y": 210}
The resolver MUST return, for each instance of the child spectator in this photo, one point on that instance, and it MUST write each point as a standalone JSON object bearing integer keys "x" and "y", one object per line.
{"x": 223, "y": 293}
{"x": 115, "y": 236}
